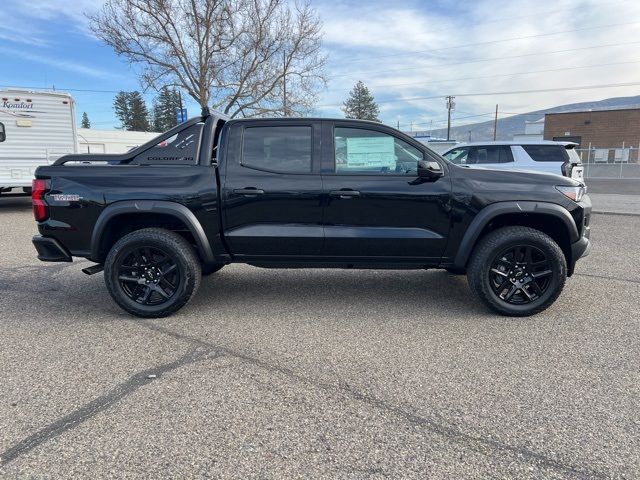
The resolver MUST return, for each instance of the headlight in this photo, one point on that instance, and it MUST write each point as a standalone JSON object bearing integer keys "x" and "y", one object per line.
{"x": 574, "y": 193}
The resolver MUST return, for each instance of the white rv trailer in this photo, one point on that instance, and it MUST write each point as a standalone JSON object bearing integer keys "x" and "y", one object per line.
{"x": 39, "y": 127}
{"x": 111, "y": 141}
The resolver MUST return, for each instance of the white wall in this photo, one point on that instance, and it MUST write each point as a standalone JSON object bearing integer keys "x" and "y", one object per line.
{"x": 111, "y": 141}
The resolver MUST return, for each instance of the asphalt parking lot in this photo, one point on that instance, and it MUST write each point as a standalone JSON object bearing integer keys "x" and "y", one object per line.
{"x": 319, "y": 373}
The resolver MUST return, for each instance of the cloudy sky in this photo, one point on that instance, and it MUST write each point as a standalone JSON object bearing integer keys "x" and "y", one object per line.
{"x": 411, "y": 54}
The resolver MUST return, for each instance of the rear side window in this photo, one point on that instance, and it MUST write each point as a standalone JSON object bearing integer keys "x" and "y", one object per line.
{"x": 285, "y": 149}
{"x": 3, "y": 135}
{"x": 547, "y": 153}
{"x": 490, "y": 154}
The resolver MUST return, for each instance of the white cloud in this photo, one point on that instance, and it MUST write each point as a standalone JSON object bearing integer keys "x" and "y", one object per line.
{"x": 403, "y": 52}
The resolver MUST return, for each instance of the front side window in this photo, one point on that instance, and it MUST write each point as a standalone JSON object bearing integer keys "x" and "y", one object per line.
{"x": 457, "y": 156}
{"x": 3, "y": 135}
{"x": 362, "y": 151}
{"x": 547, "y": 153}
{"x": 285, "y": 149}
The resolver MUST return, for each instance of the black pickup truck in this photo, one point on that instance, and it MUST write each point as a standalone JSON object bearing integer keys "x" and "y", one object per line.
{"x": 282, "y": 193}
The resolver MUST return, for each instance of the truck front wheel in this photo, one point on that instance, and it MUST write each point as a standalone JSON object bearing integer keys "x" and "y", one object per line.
{"x": 517, "y": 271}
{"x": 152, "y": 272}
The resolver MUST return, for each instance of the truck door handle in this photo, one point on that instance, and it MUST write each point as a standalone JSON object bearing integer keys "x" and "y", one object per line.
{"x": 344, "y": 193}
{"x": 249, "y": 191}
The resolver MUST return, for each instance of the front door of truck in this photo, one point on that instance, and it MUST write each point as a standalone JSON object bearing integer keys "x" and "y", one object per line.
{"x": 377, "y": 206}
{"x": 272, "y": 189}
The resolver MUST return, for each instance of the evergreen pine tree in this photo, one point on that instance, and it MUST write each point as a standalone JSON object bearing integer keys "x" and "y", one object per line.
{"x": 139, "y": 114}
{"x": 361, "y": 104}
{"x": 165, "y": 109}
{"x": 121, "y": 107}
{"x": 85, "y": 123}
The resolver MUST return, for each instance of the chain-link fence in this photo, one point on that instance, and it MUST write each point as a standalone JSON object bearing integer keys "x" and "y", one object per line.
{"x": 623, "y": 162}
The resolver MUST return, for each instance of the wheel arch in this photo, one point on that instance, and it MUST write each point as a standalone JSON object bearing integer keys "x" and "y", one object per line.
{"x": 550, "y": 218}
{"x": 120, "y": 214}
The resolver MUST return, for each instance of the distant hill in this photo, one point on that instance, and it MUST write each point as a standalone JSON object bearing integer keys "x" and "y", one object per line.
{"x": 508, "y": 127}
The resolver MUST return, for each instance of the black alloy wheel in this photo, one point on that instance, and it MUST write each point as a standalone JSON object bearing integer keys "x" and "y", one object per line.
{"x": 520, "y": 274}
{"x": 148, "y": 276}
{"x": 152, "y": 272}
{"x": 517, "y": 271}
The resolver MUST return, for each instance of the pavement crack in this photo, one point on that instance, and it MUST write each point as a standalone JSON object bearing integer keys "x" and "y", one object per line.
{"x": 100, "y": 404}
{"x": 482, "y": 444}
{"x": 607, "y": 277}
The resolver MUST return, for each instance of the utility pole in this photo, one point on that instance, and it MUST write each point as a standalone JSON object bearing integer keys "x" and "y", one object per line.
{"x": 180, "y": 99}
{"x": 284, "y": 83}
{"x": 450, "y": 106}
{"x": 495, "y": 124}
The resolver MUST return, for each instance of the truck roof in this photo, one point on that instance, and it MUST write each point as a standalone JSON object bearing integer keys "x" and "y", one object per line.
{"x": 512, "y": 142}
{"x": 25, "y": 91}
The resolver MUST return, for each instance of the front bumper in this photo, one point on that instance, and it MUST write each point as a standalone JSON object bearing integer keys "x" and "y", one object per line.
{"x": 50, "y": 250}
{"x": 582, "y": 247}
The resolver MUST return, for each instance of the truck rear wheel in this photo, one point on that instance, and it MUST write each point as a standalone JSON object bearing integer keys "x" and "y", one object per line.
{"x": 152, "y": 272}
{"x": 517, "y": 271}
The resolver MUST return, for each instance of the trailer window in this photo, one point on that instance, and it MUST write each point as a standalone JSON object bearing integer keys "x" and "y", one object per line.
{"x": 3, "y": 135}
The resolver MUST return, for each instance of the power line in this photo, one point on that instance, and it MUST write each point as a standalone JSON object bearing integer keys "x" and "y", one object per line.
{"x": 430, "y": 82}
{"x": 511, "y": 92}
{"x": 507, "y": 57}
{"x": 503, "y": 40}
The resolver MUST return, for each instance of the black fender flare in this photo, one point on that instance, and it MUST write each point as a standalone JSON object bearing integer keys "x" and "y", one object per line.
{"x": 501, "y": 208}
{"x": 173, "y": 209}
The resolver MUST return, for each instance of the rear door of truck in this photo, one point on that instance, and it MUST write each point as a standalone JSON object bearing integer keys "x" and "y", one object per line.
{"x": 272, "y": 189}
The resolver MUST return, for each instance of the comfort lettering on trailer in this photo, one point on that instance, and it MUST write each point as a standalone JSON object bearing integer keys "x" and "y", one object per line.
{"x": 17, "y": 106}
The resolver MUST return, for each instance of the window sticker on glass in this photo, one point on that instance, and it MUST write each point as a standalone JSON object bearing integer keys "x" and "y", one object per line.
{"x": 368, "y": 153}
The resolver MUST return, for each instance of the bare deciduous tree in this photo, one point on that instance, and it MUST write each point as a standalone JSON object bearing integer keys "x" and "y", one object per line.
{"x": 244, "y": 57}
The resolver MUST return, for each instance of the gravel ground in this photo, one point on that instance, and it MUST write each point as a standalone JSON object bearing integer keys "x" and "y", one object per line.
{"x": 319, "y": 374}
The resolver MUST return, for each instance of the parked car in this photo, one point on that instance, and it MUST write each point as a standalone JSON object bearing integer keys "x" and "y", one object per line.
{"x": 559, "y": 158}
{"x": 282, "y": 193}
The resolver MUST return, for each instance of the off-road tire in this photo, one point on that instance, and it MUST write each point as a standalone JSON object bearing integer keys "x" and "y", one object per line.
{"x": 490, "y": 246}
{"x": 174, "y": 246}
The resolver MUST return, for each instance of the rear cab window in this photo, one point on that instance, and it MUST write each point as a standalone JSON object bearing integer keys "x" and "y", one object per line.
{"x": 280, "y": 149}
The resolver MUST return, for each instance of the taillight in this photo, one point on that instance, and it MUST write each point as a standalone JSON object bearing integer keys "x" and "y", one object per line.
{"x": 40, "y": 208}
{"x": 566, "y": 169}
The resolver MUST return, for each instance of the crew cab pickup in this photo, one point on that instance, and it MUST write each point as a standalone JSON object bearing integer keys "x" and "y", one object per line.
{"x": 308, "y": 192}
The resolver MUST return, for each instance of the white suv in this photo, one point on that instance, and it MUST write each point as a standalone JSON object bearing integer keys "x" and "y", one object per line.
{"x": 539, "y": 156}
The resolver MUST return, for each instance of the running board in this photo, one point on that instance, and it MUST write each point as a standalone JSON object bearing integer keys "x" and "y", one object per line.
{"x": 93, "y": 269}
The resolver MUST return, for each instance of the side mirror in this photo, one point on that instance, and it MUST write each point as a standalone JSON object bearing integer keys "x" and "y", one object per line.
{"x": 429, "y": 169}
{"x": 3, "y": 135}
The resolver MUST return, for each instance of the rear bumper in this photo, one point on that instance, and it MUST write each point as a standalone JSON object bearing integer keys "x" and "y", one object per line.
{"x": 50, "y": 250}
